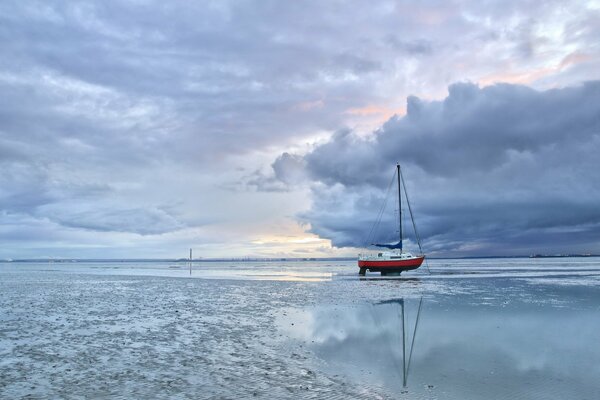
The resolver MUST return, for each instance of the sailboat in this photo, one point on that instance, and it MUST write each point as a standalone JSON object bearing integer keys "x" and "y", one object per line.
{"x": 394, "y": 260}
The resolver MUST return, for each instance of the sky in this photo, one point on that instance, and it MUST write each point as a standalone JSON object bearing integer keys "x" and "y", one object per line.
{"x": 140, "y": 129}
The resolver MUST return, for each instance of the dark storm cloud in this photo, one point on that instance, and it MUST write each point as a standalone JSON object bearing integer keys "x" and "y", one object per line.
{"x": 111, "y": 112}
{"x": 485, "y": 166}
{"x": 472, "y": 129}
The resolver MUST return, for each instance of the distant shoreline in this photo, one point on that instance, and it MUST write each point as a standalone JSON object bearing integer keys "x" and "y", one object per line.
{"x": 271, "y": 259}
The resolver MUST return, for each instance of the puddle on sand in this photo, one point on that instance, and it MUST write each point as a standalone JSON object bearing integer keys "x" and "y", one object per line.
{"x": 364, "y": 344}
{"x": 461, "y": 350}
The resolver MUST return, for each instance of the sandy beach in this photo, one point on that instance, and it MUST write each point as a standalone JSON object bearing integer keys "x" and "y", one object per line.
{"x": 514, "y": 328}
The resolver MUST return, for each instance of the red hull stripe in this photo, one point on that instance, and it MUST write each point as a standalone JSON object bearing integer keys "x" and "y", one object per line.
{"x": 413, "y": 262}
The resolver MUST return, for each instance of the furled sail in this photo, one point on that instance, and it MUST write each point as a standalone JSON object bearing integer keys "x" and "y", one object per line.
{"x": 389, "y": 245}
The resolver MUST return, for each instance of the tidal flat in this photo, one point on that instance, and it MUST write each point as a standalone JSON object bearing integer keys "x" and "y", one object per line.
{"x": 473, "y": 329}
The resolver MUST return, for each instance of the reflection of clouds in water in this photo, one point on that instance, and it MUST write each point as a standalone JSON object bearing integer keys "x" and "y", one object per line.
{"x": 364, "y": 341}
{"x": 557, "y": 341}
{"x": 546, "y": 351}
{"x": 464, "y": 350}
{"x": 328, "y": 325}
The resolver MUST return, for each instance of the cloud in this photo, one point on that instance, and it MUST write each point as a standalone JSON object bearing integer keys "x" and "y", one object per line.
{"x": 289, "y": 168}
{"x": 149, "y": 113}
{"x": 507, "y": 168}
{"x": 287, "y": 171}
{"x": 143, "y": 221}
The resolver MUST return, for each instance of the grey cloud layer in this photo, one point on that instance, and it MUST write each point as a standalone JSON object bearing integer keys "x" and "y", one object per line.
{"x": 131, "y": 117}
{"x": 504, "y": 169}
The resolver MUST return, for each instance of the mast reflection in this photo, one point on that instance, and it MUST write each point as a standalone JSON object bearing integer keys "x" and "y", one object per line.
{"x": 405, "y": 361}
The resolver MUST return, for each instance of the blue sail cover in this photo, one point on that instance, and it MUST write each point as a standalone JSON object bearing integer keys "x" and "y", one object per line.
{"x": 389, "y": 246}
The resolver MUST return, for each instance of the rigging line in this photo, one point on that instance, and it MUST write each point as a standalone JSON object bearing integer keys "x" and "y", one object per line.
{"x": 412, "y": 345}
{"x": 411, "y": 215}
{"x": 413, "y": 222}
{"x": 414, "y": 225}
{"x": 380, "y": 214}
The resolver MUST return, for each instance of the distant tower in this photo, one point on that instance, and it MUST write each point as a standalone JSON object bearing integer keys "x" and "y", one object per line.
{"x": 190, "y": 254}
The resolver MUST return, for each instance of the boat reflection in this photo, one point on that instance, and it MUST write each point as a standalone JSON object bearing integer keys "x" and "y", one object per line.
{"x": 502, "y": 340}
{"x": 405, "y": 361}
{"x": 373, "y": 343}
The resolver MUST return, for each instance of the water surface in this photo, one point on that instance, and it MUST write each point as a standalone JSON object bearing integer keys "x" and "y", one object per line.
{"x": 509, "y": 328}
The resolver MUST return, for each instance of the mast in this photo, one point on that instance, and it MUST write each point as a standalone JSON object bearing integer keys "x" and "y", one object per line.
{"x": 399, "y": 206}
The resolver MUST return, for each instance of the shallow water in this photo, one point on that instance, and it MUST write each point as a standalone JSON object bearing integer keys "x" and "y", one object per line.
{"x": 508, "y": 328}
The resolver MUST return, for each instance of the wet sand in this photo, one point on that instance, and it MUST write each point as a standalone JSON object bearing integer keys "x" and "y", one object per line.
{"x": 488, "y": 329}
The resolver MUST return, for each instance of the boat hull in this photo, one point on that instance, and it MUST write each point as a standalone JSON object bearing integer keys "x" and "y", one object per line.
{"x": 390, "y": 266}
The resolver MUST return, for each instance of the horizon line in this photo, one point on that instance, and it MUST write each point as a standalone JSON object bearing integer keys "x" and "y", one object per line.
{"x": 270, "y": 259}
